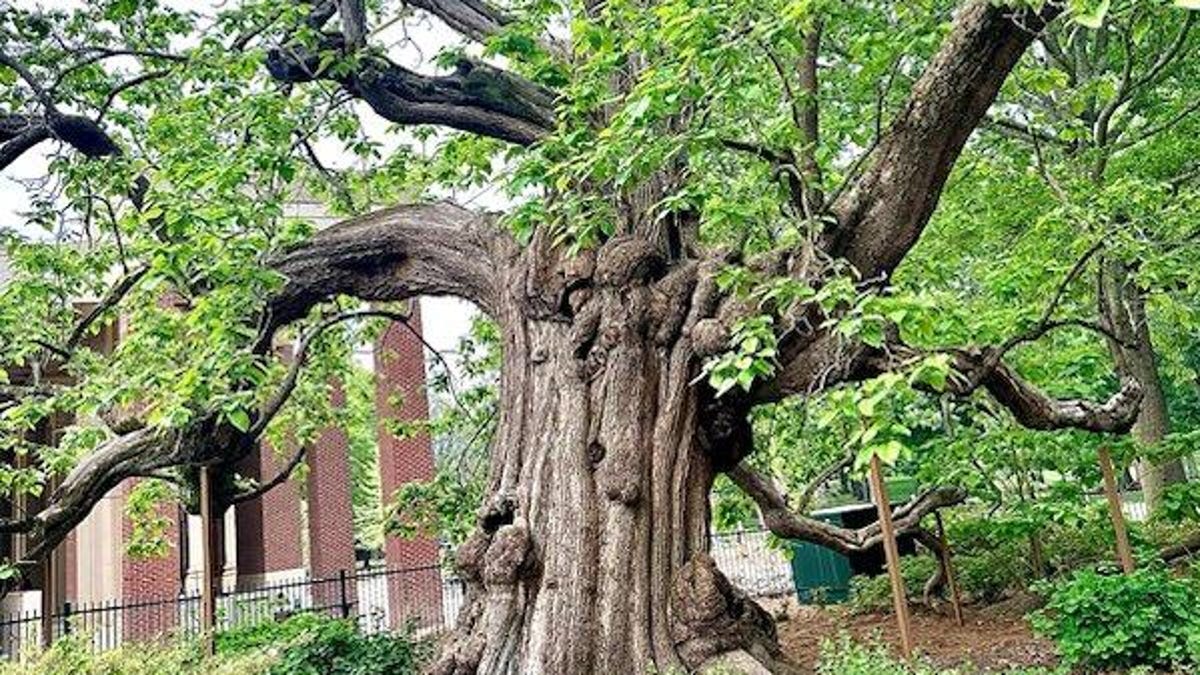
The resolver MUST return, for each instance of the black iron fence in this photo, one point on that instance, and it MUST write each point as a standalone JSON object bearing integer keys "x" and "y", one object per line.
{"x": 425, "y": 598}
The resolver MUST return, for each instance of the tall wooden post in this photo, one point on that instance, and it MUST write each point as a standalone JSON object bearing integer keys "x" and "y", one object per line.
{"x": 899, "y": 594}
{"x": 948, "y": 565}
{"x": 1124, "y": 552}
{"x": 49, "y": 592}
{"x": 208, "y": 602}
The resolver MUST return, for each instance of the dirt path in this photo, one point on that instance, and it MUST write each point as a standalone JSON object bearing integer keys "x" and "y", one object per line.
{"x": 991, "y": 639}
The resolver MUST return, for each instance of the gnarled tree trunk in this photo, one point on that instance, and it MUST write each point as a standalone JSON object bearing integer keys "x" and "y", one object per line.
{"x": 597, "y": 516}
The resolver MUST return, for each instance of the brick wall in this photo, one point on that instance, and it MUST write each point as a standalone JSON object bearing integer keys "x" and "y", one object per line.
{"x": 400, "y": 395}
{"x": 330, "y": 516}
{"x": 149, "y": 579}
{"x": 268, "y": 528}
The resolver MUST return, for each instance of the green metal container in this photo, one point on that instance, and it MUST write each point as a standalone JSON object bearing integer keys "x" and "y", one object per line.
{"x": 821, "y": 576}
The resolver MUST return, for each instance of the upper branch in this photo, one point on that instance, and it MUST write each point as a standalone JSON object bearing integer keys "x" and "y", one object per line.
{"x": 263, "y": 488}
{"x": 472, "y": 18}
{"x": 883, "y": 214}
{"x": 476, "y": 97}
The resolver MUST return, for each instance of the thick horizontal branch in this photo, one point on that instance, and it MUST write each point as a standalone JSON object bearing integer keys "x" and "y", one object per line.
{"x": 389, "y": 255}
{"x": 1034, "y": 409}
{"x": 20, "y": 133}
{"x": 783, "y": 522}
{"x": 472, "y": 18}
{"x": 138, "y": 453}
{"x": 476, "y": 97}
{"x": 17, "y": 145}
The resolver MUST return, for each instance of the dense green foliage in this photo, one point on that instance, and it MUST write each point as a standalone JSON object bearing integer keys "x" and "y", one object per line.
{"x": 1110, "y": 621}
{"x": 312, "y": 644}
{"x": 303, "y": 644}
{"x": 844, "y": 656}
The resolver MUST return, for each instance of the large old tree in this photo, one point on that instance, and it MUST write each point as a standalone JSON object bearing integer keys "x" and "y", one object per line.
{"x": 708, "y": 203}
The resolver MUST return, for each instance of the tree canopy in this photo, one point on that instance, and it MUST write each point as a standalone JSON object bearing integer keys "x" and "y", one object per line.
{"x": 796, "y": 233}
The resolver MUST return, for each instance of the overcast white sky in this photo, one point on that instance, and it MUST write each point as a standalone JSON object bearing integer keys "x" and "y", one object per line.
{"x": 445, "y": 319}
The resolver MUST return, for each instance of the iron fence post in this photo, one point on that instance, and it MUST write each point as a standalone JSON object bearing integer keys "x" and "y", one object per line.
{"x": 342, "y": 590}
{"x": 66, "y": 619}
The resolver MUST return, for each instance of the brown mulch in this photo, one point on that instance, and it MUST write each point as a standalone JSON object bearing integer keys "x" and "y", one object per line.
{"x": 991, "y": 638}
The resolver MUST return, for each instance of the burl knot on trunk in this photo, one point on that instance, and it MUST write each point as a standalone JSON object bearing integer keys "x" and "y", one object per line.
{"x": 715, "y": 624}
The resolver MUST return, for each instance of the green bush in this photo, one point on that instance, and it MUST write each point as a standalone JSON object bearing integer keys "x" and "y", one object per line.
{"x": 311, "y": 644}
{"x": 1115, "y": 621}
{"x": 844, "y": 656}
{"x": 305, "y": 644}
{"x": 268, "y": 633}
{"x": 874, "y": 594}
{"x": 73, "y": 656}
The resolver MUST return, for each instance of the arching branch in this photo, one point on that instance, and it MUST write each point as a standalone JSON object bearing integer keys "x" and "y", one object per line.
{"x": 782, "y": 521}
{"x": 1034, "y": 409}
{"x": 476, "y": 97}
{"x": 390, "y": 255}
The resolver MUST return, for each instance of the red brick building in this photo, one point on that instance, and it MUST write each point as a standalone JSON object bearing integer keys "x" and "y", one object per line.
{"x": 301, "y": 529}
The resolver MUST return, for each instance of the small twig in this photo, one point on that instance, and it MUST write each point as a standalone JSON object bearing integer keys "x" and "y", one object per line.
{"x": 126, "y": 85}
{"x": 279, "y": 478}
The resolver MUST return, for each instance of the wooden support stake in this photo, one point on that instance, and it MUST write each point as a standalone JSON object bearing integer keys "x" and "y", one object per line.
{"x": 948, "y": 565}
{"x": 48, "y": 594}
{"x": 899, "y": 594}
{"x": 208, "y": 604}
{"x": 1124, "y": 552}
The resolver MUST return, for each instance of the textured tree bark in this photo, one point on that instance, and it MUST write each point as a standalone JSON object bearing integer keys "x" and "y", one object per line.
{"x": 591, "y": 551}
{"x": 1124, "y": 309}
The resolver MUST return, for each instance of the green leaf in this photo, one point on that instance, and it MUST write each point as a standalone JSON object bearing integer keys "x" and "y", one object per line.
{"x": 866, "y": 407}
{"x": 1090, "y": 16}
{"x": 240, "y": 419}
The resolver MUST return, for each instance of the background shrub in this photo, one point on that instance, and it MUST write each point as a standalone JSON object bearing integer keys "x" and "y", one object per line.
{"x": 874, "y": 594}
{"x": 305, "y": 644}
{"x": 1115, "y": 621}
{"x": 73, "y": 655}
{"x": 312, "y": 644}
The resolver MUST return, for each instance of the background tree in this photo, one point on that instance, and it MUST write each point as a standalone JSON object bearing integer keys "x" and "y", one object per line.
{"x": 710, "y": 204}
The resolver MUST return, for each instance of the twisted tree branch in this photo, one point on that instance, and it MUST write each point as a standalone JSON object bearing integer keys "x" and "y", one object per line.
{"x": 784, "y": 522}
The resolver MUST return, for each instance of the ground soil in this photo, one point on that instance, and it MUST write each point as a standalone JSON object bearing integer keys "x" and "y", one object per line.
{"x": 991, "y": 639}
